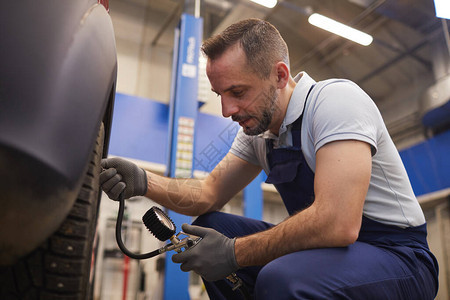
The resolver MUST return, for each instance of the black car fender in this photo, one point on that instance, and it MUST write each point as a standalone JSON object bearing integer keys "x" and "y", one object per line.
{"x": 58, "y": 70}
{"x": 53, "y": 89}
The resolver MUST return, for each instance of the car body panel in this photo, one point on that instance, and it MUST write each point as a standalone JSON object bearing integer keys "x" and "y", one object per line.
{"x": 53, "y": 92}
{"x": 58, "y": 68}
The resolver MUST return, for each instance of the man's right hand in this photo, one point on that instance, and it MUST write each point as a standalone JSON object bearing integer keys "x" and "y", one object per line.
{"x": 119, "y": 176}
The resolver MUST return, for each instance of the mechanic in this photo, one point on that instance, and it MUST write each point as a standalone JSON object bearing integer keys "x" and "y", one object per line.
{"x": 355, "y": 230}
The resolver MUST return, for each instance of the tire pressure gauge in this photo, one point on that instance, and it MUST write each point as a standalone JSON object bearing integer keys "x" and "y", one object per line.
{"x": 159, "y": 224}
{"x": 163, "y": 228}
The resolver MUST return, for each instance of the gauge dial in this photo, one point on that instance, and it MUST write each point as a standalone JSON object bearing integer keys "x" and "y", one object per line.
{"x": 159, "y": 224}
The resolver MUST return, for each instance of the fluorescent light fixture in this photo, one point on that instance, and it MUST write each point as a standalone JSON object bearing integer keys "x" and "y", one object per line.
{"x": 266, "y": 3}
{"x": 340, "y": 29}
{"x": 442, "y": 8}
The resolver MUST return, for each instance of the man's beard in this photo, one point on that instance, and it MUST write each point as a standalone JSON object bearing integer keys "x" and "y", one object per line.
{"x": 263, "y": 115}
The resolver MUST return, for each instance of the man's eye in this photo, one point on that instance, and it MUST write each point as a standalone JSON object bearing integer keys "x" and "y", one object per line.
{"x": 238, "y": 93}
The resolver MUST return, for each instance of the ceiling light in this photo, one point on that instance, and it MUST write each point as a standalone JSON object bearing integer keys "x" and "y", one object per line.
{"x": 340, "y": 29}
{"x": 442, "y": 8}
{"x": 266, "y": 3}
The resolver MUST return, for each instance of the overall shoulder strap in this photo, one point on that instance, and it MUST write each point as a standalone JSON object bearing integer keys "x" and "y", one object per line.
{"x": 297, "y": 125}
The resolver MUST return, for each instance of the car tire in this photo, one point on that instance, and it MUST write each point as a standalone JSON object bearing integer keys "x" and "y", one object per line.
{"x": 61, "y": 268}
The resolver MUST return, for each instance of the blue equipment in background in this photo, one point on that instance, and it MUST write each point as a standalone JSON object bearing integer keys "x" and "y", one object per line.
{"x": 182, "y": 119}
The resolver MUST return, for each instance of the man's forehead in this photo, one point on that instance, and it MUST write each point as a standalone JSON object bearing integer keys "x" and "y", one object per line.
{"x": 234, "y": 53}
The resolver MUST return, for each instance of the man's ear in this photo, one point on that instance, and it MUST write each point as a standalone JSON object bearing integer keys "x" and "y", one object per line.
{"x": 283, "y": 74}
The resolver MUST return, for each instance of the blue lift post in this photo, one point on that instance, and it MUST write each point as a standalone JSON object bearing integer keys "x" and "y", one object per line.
{"x": 253, "y": 198}
{"x": 182, "y": 119}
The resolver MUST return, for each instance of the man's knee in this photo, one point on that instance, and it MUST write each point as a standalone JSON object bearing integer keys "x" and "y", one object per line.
{"x": 210, "y": 220}
{"x": 273, "y": 281}
{"x": 291, "y": 277}
{"x": 231, "y": 225}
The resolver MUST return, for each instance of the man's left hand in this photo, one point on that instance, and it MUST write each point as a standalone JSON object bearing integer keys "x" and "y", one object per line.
{"x": 212, "y": 258}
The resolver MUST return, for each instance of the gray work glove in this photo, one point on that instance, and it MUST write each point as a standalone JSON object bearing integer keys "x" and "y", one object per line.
{"x": 212, "y": 258}
{"x": 121, "y": 175}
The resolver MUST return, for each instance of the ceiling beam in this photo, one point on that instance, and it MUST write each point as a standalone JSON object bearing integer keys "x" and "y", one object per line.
{"x": 408, "y": 52}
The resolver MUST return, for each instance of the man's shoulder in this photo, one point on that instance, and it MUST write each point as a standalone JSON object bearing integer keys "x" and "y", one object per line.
{"x": 336, "y": 84}
{"x": 340, "y": 93}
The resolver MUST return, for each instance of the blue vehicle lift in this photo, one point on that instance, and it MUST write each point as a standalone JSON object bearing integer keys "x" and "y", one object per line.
{"x": 182, "y": 119}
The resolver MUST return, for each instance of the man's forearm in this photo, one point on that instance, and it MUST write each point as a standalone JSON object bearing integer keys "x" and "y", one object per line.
{"x": 198, "y": 196}
{"x": 305, "y": 230}
{"x": 183, "y": 195}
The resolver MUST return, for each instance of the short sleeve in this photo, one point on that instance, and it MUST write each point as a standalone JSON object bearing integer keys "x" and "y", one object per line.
{"x": 243, "y": 147}
{"x": 343, "y": 111}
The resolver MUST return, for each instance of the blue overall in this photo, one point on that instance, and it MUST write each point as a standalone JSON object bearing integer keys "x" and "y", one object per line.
{"x": 386, "y": 262}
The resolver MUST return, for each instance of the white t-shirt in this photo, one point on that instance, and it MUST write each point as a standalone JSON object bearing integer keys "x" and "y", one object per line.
{"x": 338, "y": 109}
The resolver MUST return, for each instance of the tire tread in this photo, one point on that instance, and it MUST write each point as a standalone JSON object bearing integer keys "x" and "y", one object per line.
{"x": 59, "y": 269}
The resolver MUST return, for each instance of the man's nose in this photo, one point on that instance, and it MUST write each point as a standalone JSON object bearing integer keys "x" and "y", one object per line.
{"x": 229, "y": 107}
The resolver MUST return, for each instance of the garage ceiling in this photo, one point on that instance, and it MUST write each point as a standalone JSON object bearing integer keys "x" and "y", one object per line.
{"x": 402, "y": 31}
